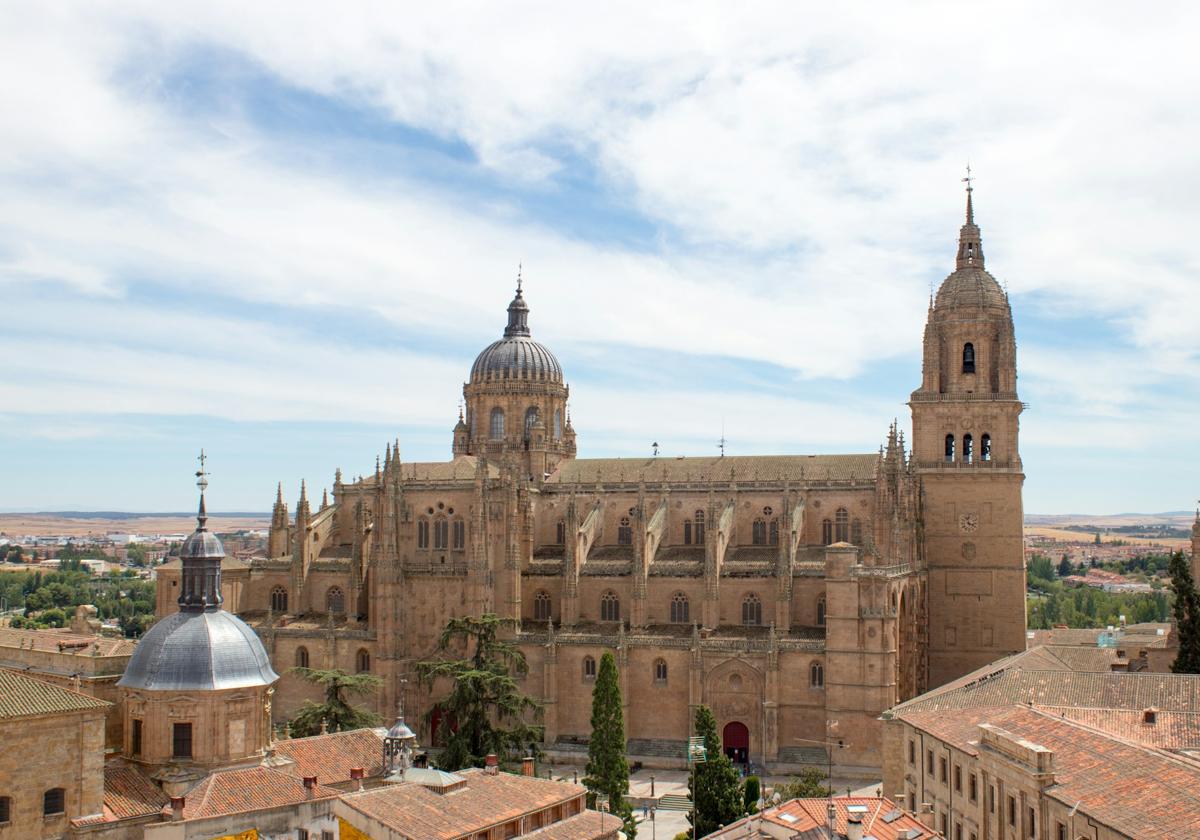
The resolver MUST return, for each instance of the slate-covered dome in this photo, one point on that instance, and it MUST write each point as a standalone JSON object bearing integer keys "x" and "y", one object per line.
{"x": 198, "y": 651}
{"x": 517, "y": 355}
{"x": 970, "y": 286}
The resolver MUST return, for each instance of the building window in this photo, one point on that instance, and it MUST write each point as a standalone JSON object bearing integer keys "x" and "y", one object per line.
{"x": 181, "y": 740}
{"x": 841, "y": 521}
{"x": 929, "y": 762}
{"x": 54, "y": 801}
{"x": 660, "y": 670}
{"x": 1032, "y": 821}
{"x": 751, "y": 610}
{"x": 624, "y": 532}
{"x": 758, "y": 532}
{"x": 687, "y": 532}
{"x": 557, "y": 423}
{"x": 679, "y": 609}
{"x": 968, "y": 452}
{"x": 816, "y": 675}
{"x": 335, "y": 601}
{"x": 957, "y": 778}
{"x": 912, "y": 753}
{"x": 821, "y": 611}
{"x": 1061, "y": 833}
{"x": 773, "y": 532}
{"x": 301, "y": 657}
{"x": 541, "y": 606}
{"x": 496, "y": 429}
{"x": 441, "y": 533}
{"x": 1012, "y": 810}
{"x": 856, "y": 532}
{"x": 991, "y": 799}
{"x": 949, "y": 449}
{"x": 135, "y": 739}
{"x": 610, "y": 607}
{"x": 958, "y": 831}
{"x": 699, "y": 520}
{"x": 460, "y": 534}
{"x": 589, "y": 668}
{"x": 362, "y": 661}
{"x": 985, "y": 447}
{"x": 972, "y": 787}
{"x": 942, "y": 777}
{"x": 279, "y": 600}
{"x": 531, "y": 417}
{"x": 422, "y": 533}
{"x": 5, "y": 809}
{"x": 968, "y": 358}
{"x": 945, "y": 821}
{"x": 826, "y": 532}
{"x": 560, "y": 532}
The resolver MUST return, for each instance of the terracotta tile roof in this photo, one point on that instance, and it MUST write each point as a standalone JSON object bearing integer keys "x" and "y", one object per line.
{"x": 484, "y": 801}
{"x": 461, "y": 468}
{"x": 590, "y": 825}
{"x": 881, "y": 819}
{"x": 742, "y": 468}
{"x": 60, "y": 641}
{"x": 128, "y": 794}
{"x": 330, "y": 757}
{"x": 1134, "y": 636}
{"x": 22, "y": 696}
{"x": 1135, "y": 790}
{"x": 1170, "y": 730}
{"x": 1085, "y": 658}
{"x": 248, "y": 789}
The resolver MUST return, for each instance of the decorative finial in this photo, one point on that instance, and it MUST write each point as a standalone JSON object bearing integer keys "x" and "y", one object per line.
{"x": 279, "y": 494}
{"x": 654, "y": 446}
{"x": 519, "y": 267}
{"x": 202, "y": 483}
{"x": 970, "y": 209}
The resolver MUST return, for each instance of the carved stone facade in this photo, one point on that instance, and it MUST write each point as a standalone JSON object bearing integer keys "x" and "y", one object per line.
{"x": 798, "y": 595}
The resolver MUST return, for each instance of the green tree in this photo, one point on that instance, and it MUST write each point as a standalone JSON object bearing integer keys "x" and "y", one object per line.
{"x": 751, "y": 794}
{"x": 1064, "y": 567}
{"x": 1187, "y": 616}
{"x": 607, "y": 768}
{"x": 491, "y": 712}
{"x": 335, "y": 712}
{"x": 714, "y": 786}
{"x": 808, "y": 785}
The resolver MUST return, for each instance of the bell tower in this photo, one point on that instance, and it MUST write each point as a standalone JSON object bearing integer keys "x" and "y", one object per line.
{"x": 965, "y": 432}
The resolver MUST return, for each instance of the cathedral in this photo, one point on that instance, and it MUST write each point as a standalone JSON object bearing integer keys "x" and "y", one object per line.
{"x": 798, "y": 596}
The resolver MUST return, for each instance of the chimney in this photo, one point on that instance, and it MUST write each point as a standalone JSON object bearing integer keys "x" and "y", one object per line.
{"x": 310, "y": 784}
{"x": 854, "y": 828}
{"x": 491, "y": 764}
{"x": 177, "y": 803}
{"x": 926, "y": 815}
{"x": 356, "y": 775}
{"x": 527, "y": 766}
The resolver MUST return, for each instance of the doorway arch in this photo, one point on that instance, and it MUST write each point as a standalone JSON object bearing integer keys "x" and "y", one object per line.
{"x": 735, "y": 741}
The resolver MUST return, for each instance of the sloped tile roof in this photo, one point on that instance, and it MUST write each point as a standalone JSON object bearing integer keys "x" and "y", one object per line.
{"x": 741, "y": 468}
{"x": 60, "y": 641}
{"x": 330, "y": 757}
{"x": 1134, "y": 636}
{"x": 461, "y": 468}
{"x": 586, "y": 826}
{"x": 880, "y": 817}
{"x": 128, "y": 794}
{"x": 22, "y": 696}
{"x": 1170, "y": 730}
{"x": 248, "y": 789}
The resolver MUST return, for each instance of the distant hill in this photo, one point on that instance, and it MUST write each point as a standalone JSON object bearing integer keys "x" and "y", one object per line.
{"x": 1171, "y": 518}
{"x": 124, "y": 514}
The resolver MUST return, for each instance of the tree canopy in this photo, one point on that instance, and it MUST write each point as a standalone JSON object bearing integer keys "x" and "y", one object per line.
{"x": 1187, "y": 616}
{"x": 336, "y": 712}
{"x": 714, "y": 786}
{"x": 607, "y": 771}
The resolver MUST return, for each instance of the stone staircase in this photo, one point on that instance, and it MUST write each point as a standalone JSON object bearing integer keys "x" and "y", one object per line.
{"x": 803, "y": 755}
{"x": 657, "y": 747}
{"x": 674, "y": 802}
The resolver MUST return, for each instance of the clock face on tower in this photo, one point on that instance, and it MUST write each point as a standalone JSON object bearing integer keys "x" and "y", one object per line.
{"x": 968, "y": 522}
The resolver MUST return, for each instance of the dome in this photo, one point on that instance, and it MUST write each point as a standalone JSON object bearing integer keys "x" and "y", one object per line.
{"x": 202, "y": 545}
{"x": 198, "y": 651}
{"x": 516, "y": 357}
{"x": 968, "y": 287}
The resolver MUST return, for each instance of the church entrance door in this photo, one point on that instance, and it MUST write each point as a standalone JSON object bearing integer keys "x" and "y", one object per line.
{"x": 735, "y": 739}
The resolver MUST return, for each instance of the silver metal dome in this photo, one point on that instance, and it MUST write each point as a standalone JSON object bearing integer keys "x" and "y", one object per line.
{"x": 198, "y": 651}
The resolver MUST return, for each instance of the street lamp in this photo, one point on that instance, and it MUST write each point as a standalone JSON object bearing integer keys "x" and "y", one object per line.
{"x": 652, "y": 786}
{"x": 653, "y": 825}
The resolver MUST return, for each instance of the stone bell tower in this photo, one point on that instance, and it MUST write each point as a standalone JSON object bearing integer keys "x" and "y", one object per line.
{"x": 965, "y": 428}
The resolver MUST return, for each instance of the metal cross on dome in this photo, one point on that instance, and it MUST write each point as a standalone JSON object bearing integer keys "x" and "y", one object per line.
{"x": 202, "y": 474}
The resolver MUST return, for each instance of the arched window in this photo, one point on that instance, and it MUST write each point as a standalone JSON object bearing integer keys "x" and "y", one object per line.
{"x": 541, "y": 606}
{"x": 816, "y": 675}
{"x": 335, "y": 601}
{"x": 751, "y": 610}
{"x": 496, "y": 429}
{"x": 422, "y": 533}
{"x": 985, "y": 448}
{"x": 441, "y": 533}
{"x": 827, "y": 532}
{"x": 856, "y": 532}
{"x": 279, "y": 599}
{"x": 968, "y": 358}
{"x": 557, "y": 423}
{"x": 968, "y": 452}
{"x": 841, "y": 521}
{"x": 679, "y": 609}
{"x": 589, "y": 668}
{"x": 362, "y": 661}
{"x": 949, "y": 448}
{"x": 531, "y": 416}
{"x": 660, "y": 670}
{"x": 624, "y": 532}
{"x": 560, "y": 532}
{"x": 821, "y": 611}
{"x": 773, "y": 532}
{"x": 758, "y": 532}
{"x": 699, "y": 527}
{"x": 301, "y": 657}
{"x": 54, "y": 801}
{"x": 610, "y": 607}
{"x": 687, "y": 532}
{"x": 460, "y": 534}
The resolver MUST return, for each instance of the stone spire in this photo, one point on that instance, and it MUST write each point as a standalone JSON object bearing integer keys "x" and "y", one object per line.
{"x": 970, "y": 241}
{"x": 518, "y": 313}
{"x": 201, "y": 557}
{"x": 303, "y": 511}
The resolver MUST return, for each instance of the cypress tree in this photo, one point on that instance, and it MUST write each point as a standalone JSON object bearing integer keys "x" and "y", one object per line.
{"x": 1187, "y": 616}
{"x": 607, "y": 771}
{"x": 714, "y": 786}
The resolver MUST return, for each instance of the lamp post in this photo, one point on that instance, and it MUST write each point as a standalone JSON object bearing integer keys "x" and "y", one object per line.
{"x": 652, "y": 786}
{"x": 653, "y": 825}
{"x": 697, "y": 754}
{"x": 601, "y": 806}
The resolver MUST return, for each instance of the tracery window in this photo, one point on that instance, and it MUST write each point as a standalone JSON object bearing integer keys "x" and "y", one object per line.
{"x": 531, "y": 416}
{"x": 441, "y": 533}
{"x": 589, "y": 668}
{"x": 335, "y": 600}
{"x": 751, "y": 610}
{"x": 699, "y": 527}
{"x": 301, "y": 657}
{"x": 557, "y": 423}
{"x": 827, "y": 532}
{"x": 816, "y": 675}
{"x": 560, "y": 532}
{"x": 758, "y": 532}
{"x": 687, "y": 532}
{"x": 660, "y": 670}
{"x": 680, "y": 609}
{"x": 856, "y": 532}
{"x": 624, "y": 532}
{"x": 841, "y": 521}
{"x": 460, "y": 534}
{"x": 279, "y": 599}
{"x": 422, "y": 533}
{"x": 773, "y": 532}
{"x": 496, "y": 429}
{"x": 362, "y": 661}
{"x": 610, "y": 607}
{"x": 541, "y": 606}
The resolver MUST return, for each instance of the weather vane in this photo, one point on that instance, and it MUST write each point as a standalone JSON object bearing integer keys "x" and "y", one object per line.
{"x": 969, "y": 178}
{"x": 519, "y": 266}
{"x": 202, "y": 474}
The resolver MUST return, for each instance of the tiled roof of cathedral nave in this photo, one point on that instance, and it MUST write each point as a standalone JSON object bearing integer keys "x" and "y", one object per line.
{"x": 738, "y": 468}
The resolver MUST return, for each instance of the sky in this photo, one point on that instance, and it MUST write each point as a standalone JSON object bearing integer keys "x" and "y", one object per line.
{"x": 283, "y": 231}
